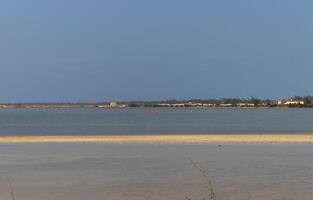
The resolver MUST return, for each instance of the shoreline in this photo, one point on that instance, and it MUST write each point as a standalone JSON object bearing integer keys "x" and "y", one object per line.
{"x": 146, "y": 107}
{"x": 166, "y": 139}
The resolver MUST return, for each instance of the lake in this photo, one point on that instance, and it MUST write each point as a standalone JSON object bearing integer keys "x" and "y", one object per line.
{"x": 154, "y": 121}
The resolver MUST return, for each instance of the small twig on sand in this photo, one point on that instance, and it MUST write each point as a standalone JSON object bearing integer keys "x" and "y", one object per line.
{"x": 206, "y": 177}
{"x": 11, "y": 188}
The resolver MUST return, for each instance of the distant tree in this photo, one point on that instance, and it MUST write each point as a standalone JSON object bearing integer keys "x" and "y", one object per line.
{"x": 308, "y": 99}
{"x": 267, "y": 102}
{"x": 255, "y": 101}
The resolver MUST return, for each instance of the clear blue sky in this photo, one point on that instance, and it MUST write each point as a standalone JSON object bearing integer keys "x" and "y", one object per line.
{"x": 98, "y": 50}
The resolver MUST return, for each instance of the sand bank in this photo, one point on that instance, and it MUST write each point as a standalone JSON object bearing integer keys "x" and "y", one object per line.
{"x": 240, "y": 138}
{"x": 140, "y": 171}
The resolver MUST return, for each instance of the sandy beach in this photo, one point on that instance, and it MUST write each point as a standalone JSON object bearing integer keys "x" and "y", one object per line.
{"x": 136, "y": 171}
{"x": 220, "y": 138}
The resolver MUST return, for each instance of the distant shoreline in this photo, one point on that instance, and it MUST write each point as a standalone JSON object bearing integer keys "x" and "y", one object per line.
{"x": 99, "y": 106}
{"x": 175, "y": 139}
{"x": 295, "y": 102}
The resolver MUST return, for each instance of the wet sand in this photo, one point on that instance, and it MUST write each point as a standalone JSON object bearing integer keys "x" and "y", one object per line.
{"x": 218, "y": 138}
{"x": 136, "y": 171}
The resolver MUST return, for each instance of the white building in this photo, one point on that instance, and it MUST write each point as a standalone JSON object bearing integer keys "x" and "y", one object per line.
{"x": 290, "y": 102}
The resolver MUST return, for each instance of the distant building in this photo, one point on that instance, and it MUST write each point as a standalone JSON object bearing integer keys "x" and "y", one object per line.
{"x": 208, "y": 104}
{"x": 290, "y": 102}
{"x": 178, "y": 105}
{"x": 294, "y": 102}
{"x": 188, "y": 104}
{"x": 114, "y": 104}
{"x": 226, "y": 104}
{"x": 103, "y": 106}
{"x": 281, "y": 102}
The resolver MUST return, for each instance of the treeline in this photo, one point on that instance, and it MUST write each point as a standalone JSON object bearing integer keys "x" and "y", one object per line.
{"x": 256, "y": 102}
{"x": 308, "y": 100}
{"x": 190, "y": 102}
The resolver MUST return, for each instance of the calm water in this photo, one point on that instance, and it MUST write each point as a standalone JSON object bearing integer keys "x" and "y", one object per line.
{"x": 154, "y": 121}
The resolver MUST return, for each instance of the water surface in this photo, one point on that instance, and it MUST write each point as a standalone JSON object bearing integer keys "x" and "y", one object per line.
{"x": 154, "y": 121}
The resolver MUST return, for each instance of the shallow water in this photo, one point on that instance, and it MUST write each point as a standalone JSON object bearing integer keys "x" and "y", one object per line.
{"x": 155, "y": 121}
{"x": 156, "y": 172}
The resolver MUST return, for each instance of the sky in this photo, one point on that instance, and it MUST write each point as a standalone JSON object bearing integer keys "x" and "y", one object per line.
{"x": 105, "y": 50}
